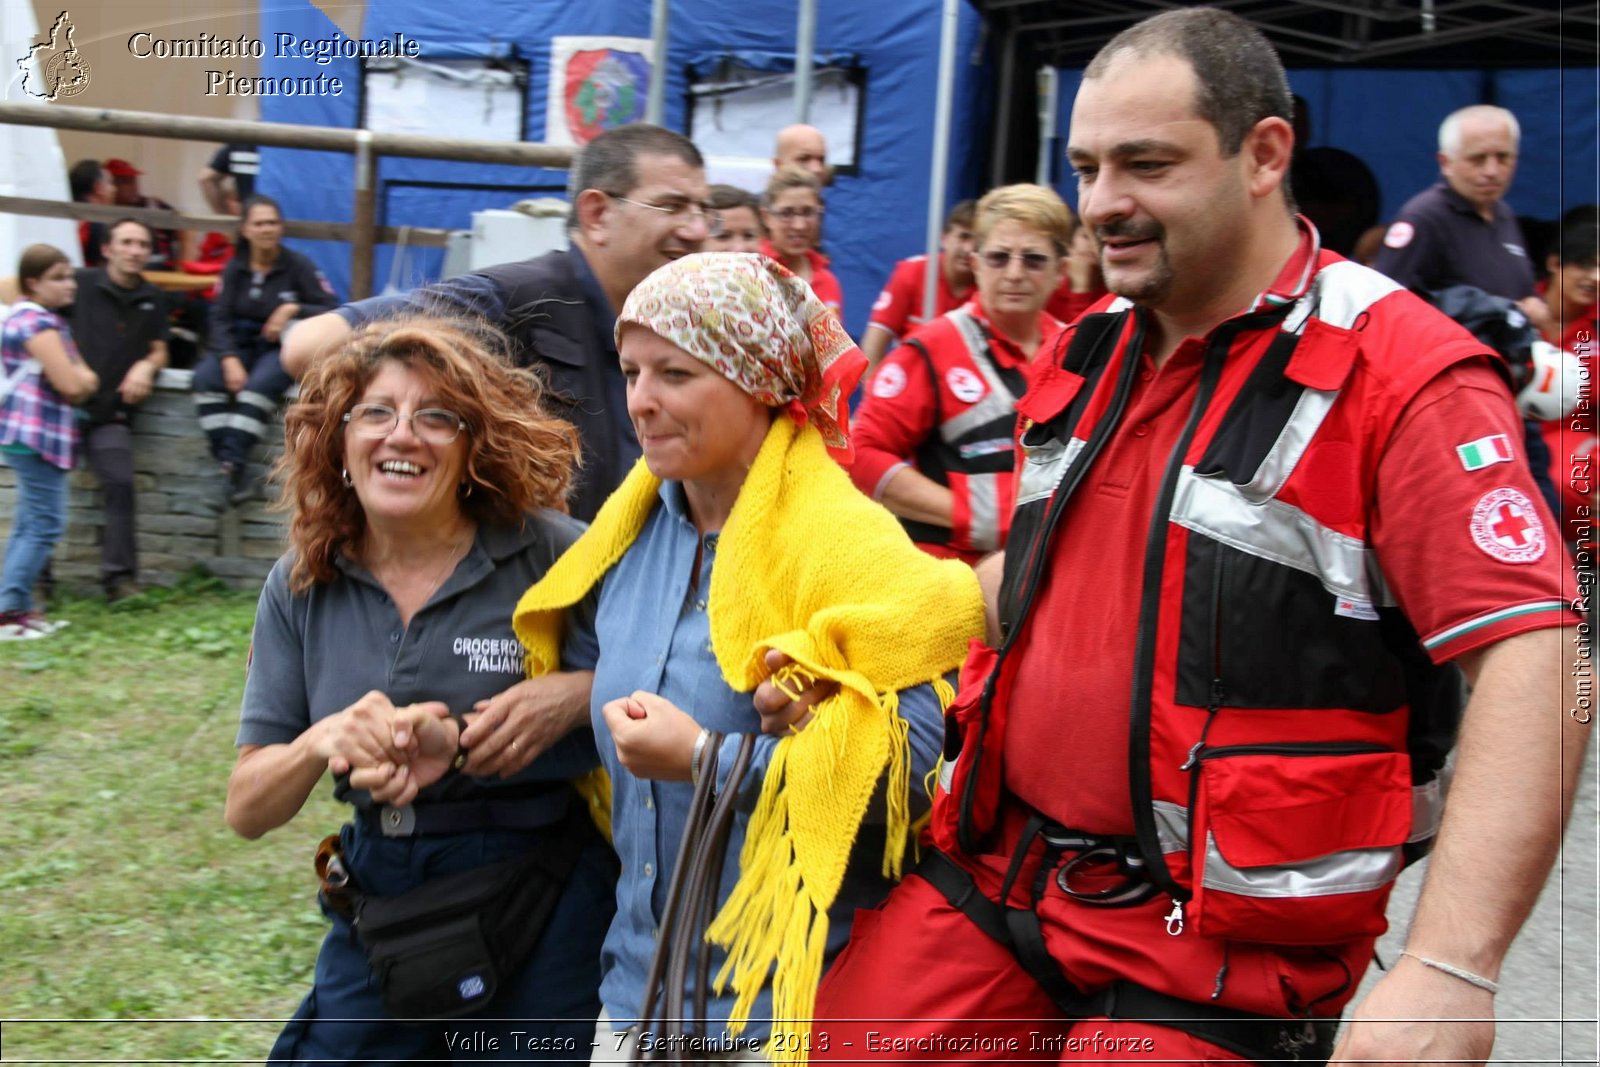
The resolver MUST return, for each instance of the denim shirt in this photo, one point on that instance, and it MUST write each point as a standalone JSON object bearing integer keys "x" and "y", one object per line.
{"x": 655, "y": 635}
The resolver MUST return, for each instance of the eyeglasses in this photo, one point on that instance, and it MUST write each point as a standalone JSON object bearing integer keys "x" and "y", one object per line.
{"x": 433, "y": 425}
{"x": 790, "y": 214}
{"x": 1033, "y": 261}
{"x": 679, "y": 209}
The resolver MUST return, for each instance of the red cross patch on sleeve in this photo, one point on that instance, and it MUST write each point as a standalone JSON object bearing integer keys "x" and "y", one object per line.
{"x": 1506, "y": 525}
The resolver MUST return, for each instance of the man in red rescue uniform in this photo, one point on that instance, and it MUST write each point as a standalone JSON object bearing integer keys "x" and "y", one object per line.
{"x": 935, "y": 435}
{"x": 899, "y": 307}
{"x": 1263, "y": 506}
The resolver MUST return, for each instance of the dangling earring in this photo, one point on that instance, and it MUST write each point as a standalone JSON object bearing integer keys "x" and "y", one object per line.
{"x": 466, "y": 489}
{"x": 345, "y": 474}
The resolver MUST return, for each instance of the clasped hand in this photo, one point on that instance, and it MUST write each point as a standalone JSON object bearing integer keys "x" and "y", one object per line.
{"x": 502, "y": 735}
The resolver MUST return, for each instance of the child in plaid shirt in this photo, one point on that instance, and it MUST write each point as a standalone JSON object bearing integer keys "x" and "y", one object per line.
{"x": 41, "y": 377}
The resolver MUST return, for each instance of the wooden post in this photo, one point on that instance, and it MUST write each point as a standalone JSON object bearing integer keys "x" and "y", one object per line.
{"x": 364, "y": 220}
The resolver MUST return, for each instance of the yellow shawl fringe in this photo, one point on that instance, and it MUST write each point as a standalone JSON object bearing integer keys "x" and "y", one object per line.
{"x": 809, "y": 566}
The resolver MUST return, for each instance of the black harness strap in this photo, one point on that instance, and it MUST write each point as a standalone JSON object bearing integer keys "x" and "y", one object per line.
{"x": 1256, "y": 1037}
{"x": 1025, "y": 936}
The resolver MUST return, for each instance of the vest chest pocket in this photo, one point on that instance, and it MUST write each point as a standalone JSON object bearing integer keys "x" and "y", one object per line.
{"x": 1296, "y": 844}
{"x": 1258, "y": 633}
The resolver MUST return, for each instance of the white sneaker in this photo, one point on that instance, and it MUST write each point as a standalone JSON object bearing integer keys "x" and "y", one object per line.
{"x": 25, "y": 626}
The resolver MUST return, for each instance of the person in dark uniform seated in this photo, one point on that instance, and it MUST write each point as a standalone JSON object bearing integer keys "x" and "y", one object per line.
{"x": 238, "y": 384}
{"x": 420, "y": 469}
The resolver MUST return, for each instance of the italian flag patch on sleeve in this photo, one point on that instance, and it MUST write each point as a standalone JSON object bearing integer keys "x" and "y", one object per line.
{"x": 1485, "y": 452}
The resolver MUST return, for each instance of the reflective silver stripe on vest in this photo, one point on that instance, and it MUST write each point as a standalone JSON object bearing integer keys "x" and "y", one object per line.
{"x": 1275, "y": 531}
{"x": 1356, "y": 870}
{"x": 1285, "y": 454}
{"x": 1172, "y": 826}
{"x": 1042, "y": 468}
{"x": 1427, "y": 807}
{"x": 1351, "y": 871}
{"x": 983, "y": 511}
{"x": 998, "y": 403}
{"x": 1341, "y": 293}
{"x": 1338, "y": 297}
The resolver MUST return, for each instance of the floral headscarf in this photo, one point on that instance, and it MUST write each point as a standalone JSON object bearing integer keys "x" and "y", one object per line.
{"x": 762, "y": 328}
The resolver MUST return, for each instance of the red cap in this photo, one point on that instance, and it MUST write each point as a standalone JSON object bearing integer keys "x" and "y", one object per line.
{"x": 121, "y": 168}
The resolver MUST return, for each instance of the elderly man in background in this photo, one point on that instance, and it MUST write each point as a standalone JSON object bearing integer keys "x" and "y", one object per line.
{"x": 639, "y": 200}
{"x": 1460, "y": 231}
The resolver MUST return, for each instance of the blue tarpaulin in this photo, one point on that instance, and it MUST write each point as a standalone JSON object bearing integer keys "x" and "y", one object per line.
{"x": 875, "y": 216}
{"x": 1389, "y": 118}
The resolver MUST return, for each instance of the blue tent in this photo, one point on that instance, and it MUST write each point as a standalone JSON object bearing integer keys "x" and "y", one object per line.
{"x": 877, "y": 214}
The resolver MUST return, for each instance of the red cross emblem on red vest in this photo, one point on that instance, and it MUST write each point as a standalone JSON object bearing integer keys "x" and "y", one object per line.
{"x": 1506, "y": 526}
{"x": 1509, "y": 526}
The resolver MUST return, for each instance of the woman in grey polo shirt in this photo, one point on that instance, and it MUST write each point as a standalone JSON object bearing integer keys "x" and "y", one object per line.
{"x": 421, "y": 473}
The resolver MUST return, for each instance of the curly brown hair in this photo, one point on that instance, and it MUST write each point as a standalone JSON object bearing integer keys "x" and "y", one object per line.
{"x": 519, "y": 456}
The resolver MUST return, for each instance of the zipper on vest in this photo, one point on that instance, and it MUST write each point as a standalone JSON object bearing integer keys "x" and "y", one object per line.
{"x": 1144, "y": 820}
{"x": 1219, "y": 691}
{"x": 1128, "y": 373}
{"x": 1308, "y": 748}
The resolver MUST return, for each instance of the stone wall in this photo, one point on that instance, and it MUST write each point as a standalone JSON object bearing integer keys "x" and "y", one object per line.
{"x": 176, "y": 483}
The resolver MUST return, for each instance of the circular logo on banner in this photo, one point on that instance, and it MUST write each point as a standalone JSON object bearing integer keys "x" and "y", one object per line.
{"x": 605, "y": 88}
{"x": 1399, "y": 235}
{"x": 1506, "y": 526}
{"x": 890, "y": 382}
{"x": 966, "y": 386}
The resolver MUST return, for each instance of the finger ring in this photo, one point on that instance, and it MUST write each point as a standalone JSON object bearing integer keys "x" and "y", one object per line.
{"x": 513, "y": 746}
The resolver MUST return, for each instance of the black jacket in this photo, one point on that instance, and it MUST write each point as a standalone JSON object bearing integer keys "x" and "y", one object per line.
{"x": 243, "y": 304}
{"x": 114, "y": 328}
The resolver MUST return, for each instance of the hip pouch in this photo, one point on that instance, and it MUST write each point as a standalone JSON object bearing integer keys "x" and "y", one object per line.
{"x": 1296, "y": 844}
{"x": 442, "y": 949}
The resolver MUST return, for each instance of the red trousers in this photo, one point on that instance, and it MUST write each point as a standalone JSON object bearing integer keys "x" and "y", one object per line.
{"x": 920, "y": 981}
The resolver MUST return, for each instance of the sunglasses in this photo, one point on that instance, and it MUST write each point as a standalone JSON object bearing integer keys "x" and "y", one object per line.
{"x": 1032, "y": 261}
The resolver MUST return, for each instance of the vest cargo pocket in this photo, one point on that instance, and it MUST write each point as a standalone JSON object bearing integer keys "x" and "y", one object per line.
{"x": 1297, "y": 844}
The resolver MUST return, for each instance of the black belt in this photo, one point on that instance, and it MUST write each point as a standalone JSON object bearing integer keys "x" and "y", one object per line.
{"x": 468, "y": 816}
{"x": 1256, "y": 1037}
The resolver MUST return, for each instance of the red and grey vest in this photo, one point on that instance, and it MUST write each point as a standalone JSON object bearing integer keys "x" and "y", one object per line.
{"x": 973, "y": 447}
{"x": 1286, "y": 726}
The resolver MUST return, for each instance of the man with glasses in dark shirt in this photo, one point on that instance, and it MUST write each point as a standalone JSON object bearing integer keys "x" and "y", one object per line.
{"x": 639, "y": 200}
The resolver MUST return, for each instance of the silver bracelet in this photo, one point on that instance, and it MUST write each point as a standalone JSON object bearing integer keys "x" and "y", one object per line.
{"x": 1456, "y": 972}
{"x": 698, "y": 755}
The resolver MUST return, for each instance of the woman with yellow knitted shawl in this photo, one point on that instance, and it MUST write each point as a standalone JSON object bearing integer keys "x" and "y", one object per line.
{"x": 736, "y": 534}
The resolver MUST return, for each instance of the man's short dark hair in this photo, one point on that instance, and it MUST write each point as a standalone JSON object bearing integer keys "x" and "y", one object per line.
{"x": 1239, "y": 78}
{"x": 1580, "y": 244}
{"x": 83, "y": 177}
{"x": 608, "y": 163}
{"x": 111, "y": 230}
{"x": 961, "y": 216}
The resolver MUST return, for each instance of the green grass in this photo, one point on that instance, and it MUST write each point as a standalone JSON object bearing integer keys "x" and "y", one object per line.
{"x": 128, "y": 910}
